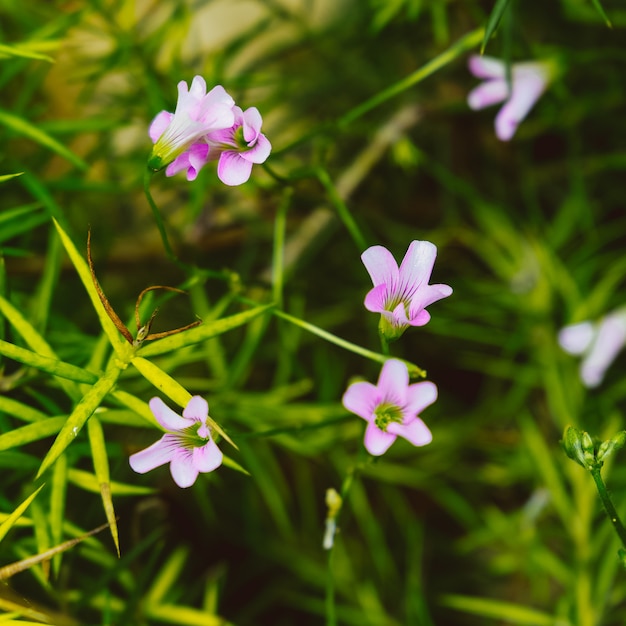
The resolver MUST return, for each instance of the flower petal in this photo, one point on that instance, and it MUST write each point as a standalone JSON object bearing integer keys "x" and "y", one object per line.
{"x": 259, "y": 152}
{"x": 361, "y": 398}
{"x": 197, "y": 409}
{"x": 166, "y": 417}
{"x": 486, "y": 67}
{"x": 159, "y": 124}
{"x": 416, "y": 267}
{"x": 208, "y": 457}
{"x": 528, "y": 85}
{"x": 157, "y": 454}
{"x": 376, "y": 441}
{"x": 419, "y": 396}
{"x": 610, "y": 340}
{"x": 380, "y": 265}
{"x": 376, "y": 298}
{"x": 232, "y": 169}
{"x": 576, "y": 338}
{"x": 415, "y": 432}
{"x": 488, "y": 93}
{"x": 252, "y": 122}
{"x": 183, "y": 469}
{"x": 393, "y": 382}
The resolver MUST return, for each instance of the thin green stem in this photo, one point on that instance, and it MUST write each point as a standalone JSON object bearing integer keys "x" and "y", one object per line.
{"x": 342, "y": 209}
{"x": 414, "y": 370}
{"x": 608, "y": 505}
{"x": 278, "y": 254}
{"x": 466, "y": 42}
{"x": 160, "y": 223}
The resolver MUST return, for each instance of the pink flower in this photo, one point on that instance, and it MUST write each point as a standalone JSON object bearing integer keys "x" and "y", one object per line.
{"x": 391, "y": 408}
{"x": 239, "y": 147}
{"x": 528, "y": 82}
{"x": 197, "y": 114}
{"x": 599, "y": 343}
{"x": 401, "y": 295}
{"x": 187, "y": 446}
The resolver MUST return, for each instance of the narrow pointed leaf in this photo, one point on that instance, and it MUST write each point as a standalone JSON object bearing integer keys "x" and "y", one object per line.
{"x": 21, "y": 411}
{"x": 162, "y": 381}
{"x": 57, "y": 506}
{"x": 83, "y": 411}
{"x": 33, "y": 432}
{"x": 120, "y": 346}
{"x": 24, "y": 52}
{"x": 89, "y": 482}
{"x": 33, "y": 339}
{"x": 8, "y": 523}
{"x": 494, "y": 19}
{"x": 210, "y": 328}
{"x": 46, "y": 364}
{"x": 101, "y": 467}
{"x": 5, "y": 177}
{"x": 31, "y": 131}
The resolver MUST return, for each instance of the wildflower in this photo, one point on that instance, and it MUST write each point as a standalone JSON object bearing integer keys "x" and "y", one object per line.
{"x": 528, "y": 82}
{"x": 197, "y": 114}
{"x": 239, "y": 146}
{"x": 187, "y": 446}
{"x": 391, "y": 408}
{"x": 598, "y": 342}
{"x": 401, "y": 295}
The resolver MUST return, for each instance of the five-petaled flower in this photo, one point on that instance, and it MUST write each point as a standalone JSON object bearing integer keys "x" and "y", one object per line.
{"x": 207, "y": 127}
{"x": 187, "y": 445}
{"x": 391, "y": 408}
{"x": 402, "y": 294}
{"x": 528, "y": 82}
{"x": 197, "y": 114}
{"x": 599, "y": 343}
{"x": 239, "y": 147}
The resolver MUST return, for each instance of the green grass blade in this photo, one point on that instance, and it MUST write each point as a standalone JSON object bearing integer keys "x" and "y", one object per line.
{"x": 33, "y": 432}
{"x": 89, "y": 482}
{"x": 493, "y": 21}
{"x": 494, "y": 609}
{"x": 6, "y": 177}
{"x": 101, "y": 466}
{"x": 162, "y": 381}
{"x": 83, "y": 411}
{"x": 23, "y": 52}
{"x": 57, "y": 506}
{"x": 208, "y": 330}
{"x": 20, "y": 410}
{"x": 601, "y": 11}
{"x": 8, "y": 523}
{"x": 120, "y": 346}
{"x": 27, "y": 129}
{"x": 47, "y": 364}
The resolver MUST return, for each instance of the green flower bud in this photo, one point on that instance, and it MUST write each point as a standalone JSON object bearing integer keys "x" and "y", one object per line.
{"x": 572, "y": 445}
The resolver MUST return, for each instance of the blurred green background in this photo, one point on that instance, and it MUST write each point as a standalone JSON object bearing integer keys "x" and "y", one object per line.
{"x": 491, "y": 523}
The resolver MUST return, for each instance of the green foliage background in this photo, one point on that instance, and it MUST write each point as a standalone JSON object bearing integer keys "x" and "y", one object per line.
{"x": 491, "y": 523}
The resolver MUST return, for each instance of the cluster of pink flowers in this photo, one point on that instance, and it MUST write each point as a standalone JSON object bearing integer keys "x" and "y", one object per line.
{"x": 400, "y": 294}
{"x": 208, "y": 127}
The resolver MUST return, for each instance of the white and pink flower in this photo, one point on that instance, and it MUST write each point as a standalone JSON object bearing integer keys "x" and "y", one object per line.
{"x": 391, "y": 407}
{"x": 187, "y": 445}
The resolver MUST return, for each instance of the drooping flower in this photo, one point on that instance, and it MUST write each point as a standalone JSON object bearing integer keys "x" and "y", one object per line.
{"x": 239, "y": 146}
{"x": 402, "y": 294}
{"x": 187, "y": 445}
{"x": 528, "y": 82}
{"x": 598, "y": 342}
{"x": 197, "y": 114}
{"x": 391, "y": 407}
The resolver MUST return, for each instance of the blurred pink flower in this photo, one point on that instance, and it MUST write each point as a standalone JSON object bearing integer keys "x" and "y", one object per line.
{"x": 187, "y": 446}
{"x": 239, "y": 146}
{"x": 402, "y": 294}
{"x": 599, "y": 343}
{"x": 528, "y": 82}
{"x": 391, "y": 408}
{"x": 197, "y": 114}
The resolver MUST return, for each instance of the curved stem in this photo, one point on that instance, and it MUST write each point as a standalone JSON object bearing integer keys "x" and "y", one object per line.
{"x": 608, "y": 505}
